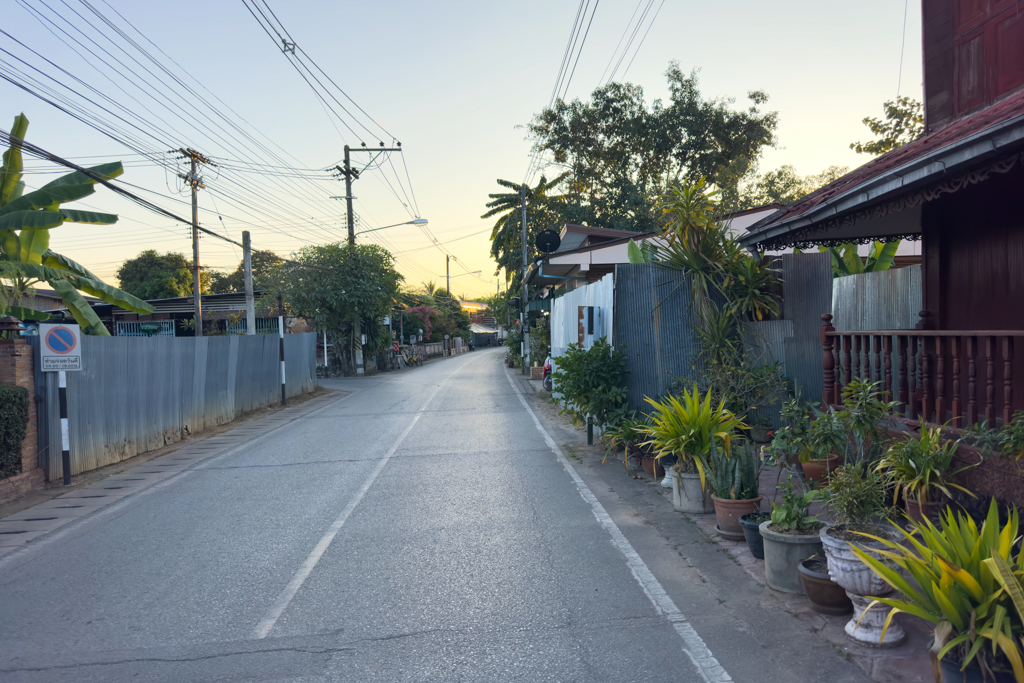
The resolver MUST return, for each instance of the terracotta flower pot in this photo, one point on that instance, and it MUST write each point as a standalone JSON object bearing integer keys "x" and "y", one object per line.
{"x": 918, "y": 511}
{"x": 825, "y": 595}
{"x": 817, "y": 470}
{"x": 728, "y": 513}
{"x": 652, "y": 467}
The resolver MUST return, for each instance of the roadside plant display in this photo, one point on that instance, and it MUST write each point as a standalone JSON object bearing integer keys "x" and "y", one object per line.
{"x": 1007, "y": 441}
{"x": 865, "y": 415}
{"x": 827, "y": 439}
{"x": 627, "y": 432}
{"x": 789, "y": 537}
{"x": 735, "y": 486}
{"x": 856, "y": 495}
{"x": 919, "y": 468}
{"x": 592, "y": 384}
{"x": 825, "y": 595}
{"x": 967, "y": 582}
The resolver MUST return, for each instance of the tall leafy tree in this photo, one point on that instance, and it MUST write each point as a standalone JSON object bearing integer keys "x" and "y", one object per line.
{"x": 903, "y": 122}
{"x": 152, "y": 275}
{"x": 622, "y": 153}
{"x": 544, "y": 211}
{"x": 784, "y": 186}
{"x": 25, "y": 224}
{"x": 334, "y": 286}
{"x": 263, "y": 264}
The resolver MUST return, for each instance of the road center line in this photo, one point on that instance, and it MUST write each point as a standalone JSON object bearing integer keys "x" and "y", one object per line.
{"x": 693, "y": 645}
{"x": 288, "y": 594}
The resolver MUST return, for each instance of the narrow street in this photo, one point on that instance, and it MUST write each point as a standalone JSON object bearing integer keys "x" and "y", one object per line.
{"x": 424, "y": 527}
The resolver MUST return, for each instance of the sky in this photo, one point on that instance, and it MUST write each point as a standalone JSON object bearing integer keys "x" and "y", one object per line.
{"x": 454, "y": 82}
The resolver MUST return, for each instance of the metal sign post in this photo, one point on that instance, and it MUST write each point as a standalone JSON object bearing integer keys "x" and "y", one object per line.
{"x": 61, "y": 351}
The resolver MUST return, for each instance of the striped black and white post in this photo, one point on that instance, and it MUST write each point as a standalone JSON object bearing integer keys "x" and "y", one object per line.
{"x": 280, "y": 339}
{"x": 65, "y": 441}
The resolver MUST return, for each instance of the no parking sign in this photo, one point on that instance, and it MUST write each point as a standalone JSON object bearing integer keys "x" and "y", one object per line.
{"x": 60, "y": 347}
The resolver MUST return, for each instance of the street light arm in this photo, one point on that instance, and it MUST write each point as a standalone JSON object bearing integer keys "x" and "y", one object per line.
{"x": 417, "y": 221}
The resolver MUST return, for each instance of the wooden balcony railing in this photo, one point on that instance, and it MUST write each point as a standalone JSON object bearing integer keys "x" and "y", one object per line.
{"x": 955, "y": 376}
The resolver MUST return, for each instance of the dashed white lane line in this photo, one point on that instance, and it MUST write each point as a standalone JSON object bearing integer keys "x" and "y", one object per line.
{"x": 693, "y": 645}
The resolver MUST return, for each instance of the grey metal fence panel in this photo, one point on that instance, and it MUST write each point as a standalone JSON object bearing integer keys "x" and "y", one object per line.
{"x": 766, "y": 344}
{"x": 137, "y": 394}
{"x": 886, "y": 300}
{"x": 653, "y": 327}
{"x": 807, "y": 294}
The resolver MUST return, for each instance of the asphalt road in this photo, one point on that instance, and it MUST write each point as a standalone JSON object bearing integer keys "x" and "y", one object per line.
{"x": 423, "y": 528}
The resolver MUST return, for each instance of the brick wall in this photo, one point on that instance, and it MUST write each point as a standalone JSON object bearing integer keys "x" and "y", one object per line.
{"x": 16, "y": 368}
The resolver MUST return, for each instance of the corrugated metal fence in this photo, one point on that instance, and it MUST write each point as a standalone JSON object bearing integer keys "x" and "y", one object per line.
{"x": 807, "y": 294}
{"x": 886, "y": 300}
{"x": 135, "y": 395}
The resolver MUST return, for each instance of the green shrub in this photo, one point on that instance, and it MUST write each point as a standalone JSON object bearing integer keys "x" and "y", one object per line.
{"x": 13, "y": 425}
{"x": 592, "y": 384}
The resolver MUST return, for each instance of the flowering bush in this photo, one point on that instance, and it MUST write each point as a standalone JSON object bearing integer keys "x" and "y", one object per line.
{"x": 420, "y": 317}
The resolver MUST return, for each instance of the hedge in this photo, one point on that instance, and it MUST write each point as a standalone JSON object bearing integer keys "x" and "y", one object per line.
{"x": 13, "y": 425}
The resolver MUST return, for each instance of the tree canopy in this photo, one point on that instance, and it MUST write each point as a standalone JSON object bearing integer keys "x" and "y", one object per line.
{"x": 263, "y": 264}
{"x": 784, "y": 186}
{"x": 544, "y": 211}
{"x": 903, "y": 123}
{"x": 621, "y": 153}
{"x": 152, "y": 275}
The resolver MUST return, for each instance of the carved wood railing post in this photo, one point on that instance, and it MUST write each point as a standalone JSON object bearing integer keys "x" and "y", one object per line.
{"x": 972, "y": 388}
{"x": 847, "y": 360}
{"x": 856, "y": 356}
{"x": 913, "y": 405}
{"x": 990, "y": 376}
{"x": 926, "y": 382}
{"x": 876, "y": 345}
{"x": 901, "y": 342}
{"x": 828, "y": 362}
{"x": 954, "y": 351}
{"x": 940, "y": 382}
{"x": 887, "y": 350}
{"x": 1007, "y": 379}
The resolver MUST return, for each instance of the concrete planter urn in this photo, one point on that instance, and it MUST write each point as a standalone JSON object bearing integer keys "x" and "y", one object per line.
{"x": 687, "y": 495}
{"x": 783, "y": 554}
{"x": 860, "y": 581}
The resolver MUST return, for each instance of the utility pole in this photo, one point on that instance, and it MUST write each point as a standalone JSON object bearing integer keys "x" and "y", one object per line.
{"x": 448, "y": 273}
{"x": 524, "y": 318}
{"x": 350, "y": 175}
{"x": 250, "y": 304}
{"x": 193, "y": 179}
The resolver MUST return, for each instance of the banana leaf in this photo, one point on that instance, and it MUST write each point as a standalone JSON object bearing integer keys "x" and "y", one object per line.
{"x": 55, "y": 260}
{"x": 111, "y": 295}
{"x": 10, "y": 172}
{"x": 80, "y": 308}
{"x": 93, "y": 217}
{"x": 34, "y": 243}
{"x": 884, "y": 253}
{"x": 22, "y": 313}
{"x": 635, "y": 254}
{"x": 10, "y": 245}
{"x": 31, "y": 220}
{"x": 48, "y": 199}
{"x": 111, "y": 170}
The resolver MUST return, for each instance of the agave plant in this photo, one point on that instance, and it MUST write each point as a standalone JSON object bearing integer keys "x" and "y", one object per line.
{"x": 687, "y": 426}
{"x": 25, "y": 224}
{"x": 965, "y": 580}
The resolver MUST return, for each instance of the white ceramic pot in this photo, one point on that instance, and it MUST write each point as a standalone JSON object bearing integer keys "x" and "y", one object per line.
{"x": 860, "y": 581}
{"x": 687, "y": 495}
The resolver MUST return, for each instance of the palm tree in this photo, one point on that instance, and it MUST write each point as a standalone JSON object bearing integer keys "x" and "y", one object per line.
{"x": 543, "y": 212}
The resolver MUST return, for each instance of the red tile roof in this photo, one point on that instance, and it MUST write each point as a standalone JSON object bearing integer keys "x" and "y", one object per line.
{"x": 1001, "y": 111}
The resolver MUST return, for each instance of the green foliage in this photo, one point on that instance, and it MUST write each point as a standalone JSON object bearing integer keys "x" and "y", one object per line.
{"x": 846, "y": 258}
{"x": 334, "y": 287}
{"x": 865, "y": 413}
{"x": 792, "y": 513}
{"x": 920, "y": 466}
{"x": 735, "y": 475}
{"x": 856, "y": 495}
{"x": 965, "y": 580}
{"x": 689, "y": 427}
{"x": 629, "y": 430}
{"x": 784, "y": 186}
{"x": 25, "y": 224}
{"x": 263, "y": 264}
{"x": 903, "y": 123}
{"x": 13, "y": 425}
{"x": 1008, "y": 440}
{"x": 591, "y": 383}
{"x": 152, "y": 275}
{"x": 619, "y": 150}
{"x": 826, "y": 437}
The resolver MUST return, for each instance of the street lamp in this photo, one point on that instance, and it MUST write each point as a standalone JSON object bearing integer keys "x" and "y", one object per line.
{"x": 416, "y": 221}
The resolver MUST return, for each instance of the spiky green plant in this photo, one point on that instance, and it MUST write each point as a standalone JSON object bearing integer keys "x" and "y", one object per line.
{"x": 735, "y": 476}
{"x": 920, "y": 466}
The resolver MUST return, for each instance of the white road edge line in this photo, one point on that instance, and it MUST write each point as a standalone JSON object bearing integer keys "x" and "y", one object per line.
{"x": 88, "y": 518}
{"x": 288, "y": 594}
{"x": 693, "y": 645}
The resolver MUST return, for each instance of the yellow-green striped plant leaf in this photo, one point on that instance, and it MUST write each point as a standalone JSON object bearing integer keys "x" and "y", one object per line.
{"x": 1004, "y": 574}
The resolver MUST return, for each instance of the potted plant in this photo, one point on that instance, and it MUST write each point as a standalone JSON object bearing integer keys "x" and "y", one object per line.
{"x": 825, "y": 595}
{"x": 790, "y": 536}
{"x": 826, "y": 439}
{"x": 919, "y": 469}
{"x": 686, "y": 427}
{"x": 966, "y": 581}
{"x": 856, "y": 496}
{"x": 735, "y": 486}
{"x": 750, "y": 523}
{"x": 761, "y": 430}
{"x": 865, "y": 415}
{"x": 625, "y": 433}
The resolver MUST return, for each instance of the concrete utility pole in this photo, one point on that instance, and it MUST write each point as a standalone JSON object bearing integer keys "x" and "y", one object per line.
{"x": 250, "y": 304}
{"x": 193, "y": 179}
{"x": 448, "y": 273}
{"x": 523, "y": 317}
{"x": 350, "y": 175}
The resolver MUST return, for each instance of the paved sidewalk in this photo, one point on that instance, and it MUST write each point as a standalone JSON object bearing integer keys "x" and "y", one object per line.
{"x": 21, "y": 528}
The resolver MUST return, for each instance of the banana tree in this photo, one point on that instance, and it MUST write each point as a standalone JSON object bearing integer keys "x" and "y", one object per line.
{"x": 25, "y": 254}
{"x": 846, "y": 259}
